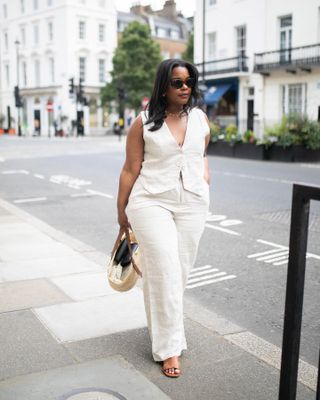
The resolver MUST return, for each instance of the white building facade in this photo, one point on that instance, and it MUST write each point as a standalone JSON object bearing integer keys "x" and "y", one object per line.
{"x": 45, "y": 43}
{"x": 261, "y": 59}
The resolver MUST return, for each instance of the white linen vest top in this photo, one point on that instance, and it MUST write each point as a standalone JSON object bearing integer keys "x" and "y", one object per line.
{"x": 165, "y": 161}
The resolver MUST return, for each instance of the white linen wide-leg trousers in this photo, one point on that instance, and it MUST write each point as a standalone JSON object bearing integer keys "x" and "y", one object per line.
{"x": 168, "y": 227}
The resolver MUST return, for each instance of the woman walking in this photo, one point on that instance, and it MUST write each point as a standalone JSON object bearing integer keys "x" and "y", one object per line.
{"x": 164, "y": 195}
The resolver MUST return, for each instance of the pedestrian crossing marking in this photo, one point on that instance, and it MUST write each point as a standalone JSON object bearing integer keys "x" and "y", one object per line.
{"x": 204, "y": 275}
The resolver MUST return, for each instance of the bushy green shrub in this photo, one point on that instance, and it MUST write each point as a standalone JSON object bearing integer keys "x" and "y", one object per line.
{"x": 215, "y": 131}
{"x": 249, "y": 137}
{"x": 231, "y": 133}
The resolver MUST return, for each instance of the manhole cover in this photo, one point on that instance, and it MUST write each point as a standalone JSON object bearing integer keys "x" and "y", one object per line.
{"x": 92, "y": 394}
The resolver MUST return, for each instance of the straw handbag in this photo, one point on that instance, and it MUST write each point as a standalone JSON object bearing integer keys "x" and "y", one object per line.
{"x": 123, "y": 271}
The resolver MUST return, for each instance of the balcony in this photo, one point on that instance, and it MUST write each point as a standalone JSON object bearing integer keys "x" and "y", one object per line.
{"x": 224, "y": 66}
{"x": 290, "y": 60}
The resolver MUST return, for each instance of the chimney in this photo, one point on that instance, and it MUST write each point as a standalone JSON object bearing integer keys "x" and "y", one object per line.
{"x": 169, "y": 9}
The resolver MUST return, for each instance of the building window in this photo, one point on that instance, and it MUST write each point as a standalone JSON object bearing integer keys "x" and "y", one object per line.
{"x": 212, "y": 46}
{"x": 102, "y": 31}
{"x": 23, "y": 35}
{"x": 5, "y": 11}
{"x": 82, "y": 30}
{"x": 36, "y": 34}
{"x": 7, "y": 75}
{"x": 35, "y": 4}
{"x": 50, "y": 31}
{"x": 102, "y": 70}
{"x": 82, "y": 68}
{"x": 175, "y": 34}
{"x": 24, "y": 73}
{"x": 6, "y": 41}
{"x": 22, "y": 6}
{"x": 51, "y": 69}
{"x": 161, "y": 32}
{"x": 165, "y": 54}
{"x": 37, "y": 72}
{"x": 285, "y": 38}
{"x": 294, "y": 98}
{"x": 241, "y": 43}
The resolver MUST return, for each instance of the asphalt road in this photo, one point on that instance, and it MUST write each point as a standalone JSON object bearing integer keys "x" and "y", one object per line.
{"x": 71, "y": 184}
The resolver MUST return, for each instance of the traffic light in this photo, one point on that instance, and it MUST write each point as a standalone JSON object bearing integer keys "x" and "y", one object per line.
{"x": 81, "y": 92}
{"x": 71, "y": 86}
{"x": 17, "y": 97}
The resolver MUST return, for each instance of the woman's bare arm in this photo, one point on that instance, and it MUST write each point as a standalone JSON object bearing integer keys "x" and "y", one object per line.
{"x": 131, "y": 168}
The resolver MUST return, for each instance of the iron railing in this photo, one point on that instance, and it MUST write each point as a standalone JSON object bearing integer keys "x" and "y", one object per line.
{"x": 223, "y": 66}
{"x": 296, "y": 57}
{"x": 295, "y": 290}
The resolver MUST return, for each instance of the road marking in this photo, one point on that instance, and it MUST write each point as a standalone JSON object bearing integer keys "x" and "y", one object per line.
{"x": 34, "y": 199}
{"x": 74, "y": 183}
{"x": 202, "y": 276}
{"x": 2, "y": 159}
{"x": 224, "y": 278}
{"x": 81, "y": 195}
{"x": 218, "y": 228}
{"x": 108, "y": 196}
{"x": 38, "y": 176}
{"x": 277, "y": 256}
{"x": 310, "y": 165}
{"x": 192, "y": 274}
{"x": 15, "y": 171}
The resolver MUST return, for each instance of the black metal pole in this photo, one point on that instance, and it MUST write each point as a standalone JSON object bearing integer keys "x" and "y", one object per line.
{"x": 294, "y": 295}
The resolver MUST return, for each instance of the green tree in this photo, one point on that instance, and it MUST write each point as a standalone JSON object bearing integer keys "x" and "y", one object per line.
{"x": 188, "y": 53}
{"x": 134, "y": 65}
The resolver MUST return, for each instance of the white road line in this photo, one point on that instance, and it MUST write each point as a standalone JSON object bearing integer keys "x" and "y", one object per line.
{"x": 38, "y": 176}
{"x": 274, "y": 255}
{"x": 272, "y": 244}
{"x": 34, "y": 199}
{"x": 277, "y": 259}
{"x": 200, "y": 268}
{"x": 192, "y": 274}
{"x": 218, "y": 228}
{"x": 224, "y": 278}
{"x": 81, "y": 195}
{"x": 108, "y": 196}
{"x": 2, "y": 159}
{"x": 205, "y": 278}
{"x": 282, "y": 262}
{"x": 310, "y": 165}
{"x": 55, "y": 181}
{"x": 15, "y": 171}
{"x": 262, "y": 253}
{"x": 73, "y": 186}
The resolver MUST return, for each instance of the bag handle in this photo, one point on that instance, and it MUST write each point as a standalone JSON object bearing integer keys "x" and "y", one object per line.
{"x": 125, "y": 230}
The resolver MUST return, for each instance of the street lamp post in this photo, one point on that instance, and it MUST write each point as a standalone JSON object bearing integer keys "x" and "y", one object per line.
{"x": 17, "y": 43}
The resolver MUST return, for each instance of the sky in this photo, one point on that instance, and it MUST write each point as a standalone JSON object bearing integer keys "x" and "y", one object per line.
{"x": 186, "y": 6}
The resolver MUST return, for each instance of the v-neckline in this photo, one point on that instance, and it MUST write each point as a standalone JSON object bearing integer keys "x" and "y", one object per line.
{"x": 185, "y": 135}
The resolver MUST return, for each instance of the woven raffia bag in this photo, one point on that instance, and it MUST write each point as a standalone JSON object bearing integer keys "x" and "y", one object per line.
{"x": 123, "y": 268}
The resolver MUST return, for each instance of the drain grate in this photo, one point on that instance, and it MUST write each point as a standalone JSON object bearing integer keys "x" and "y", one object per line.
{"x": 284, "y": 217}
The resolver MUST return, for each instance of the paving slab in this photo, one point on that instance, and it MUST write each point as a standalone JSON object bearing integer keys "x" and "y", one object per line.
{"x": 27, "y": 294}
{"x": 94, "y": 317}
{"x": 85, "y": 286}
{"x": 26, "y": 346}
{"x": 91, "y": 380}
{"x": 46, "y": 267}
{"x": 34, "y": 251}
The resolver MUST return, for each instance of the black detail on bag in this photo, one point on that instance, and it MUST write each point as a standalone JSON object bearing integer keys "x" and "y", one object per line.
{"x": 122, "y": 255}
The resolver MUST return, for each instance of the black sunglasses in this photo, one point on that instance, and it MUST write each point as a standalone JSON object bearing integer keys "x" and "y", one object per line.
{"x": 178, "y": 83}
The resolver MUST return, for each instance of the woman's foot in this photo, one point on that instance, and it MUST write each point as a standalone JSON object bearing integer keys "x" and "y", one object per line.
{"x": 171, "y": 367}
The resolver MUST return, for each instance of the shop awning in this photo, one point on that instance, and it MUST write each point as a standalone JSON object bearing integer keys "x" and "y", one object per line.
{"x": 214, "y": 93}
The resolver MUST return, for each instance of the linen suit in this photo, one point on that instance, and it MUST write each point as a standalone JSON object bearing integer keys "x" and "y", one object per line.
{"x": 167, "y": 209}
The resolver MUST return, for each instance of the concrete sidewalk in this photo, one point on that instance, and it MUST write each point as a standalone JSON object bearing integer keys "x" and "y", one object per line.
{"x": 64, "y": 334}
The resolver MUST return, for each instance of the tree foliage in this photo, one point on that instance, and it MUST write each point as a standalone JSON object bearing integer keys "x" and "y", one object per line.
{"x": 134, "y": 64}
{"x": 188, "y": 53}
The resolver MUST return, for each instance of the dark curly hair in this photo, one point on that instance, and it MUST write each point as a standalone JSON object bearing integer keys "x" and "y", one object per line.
{"x": 157, "y": 105}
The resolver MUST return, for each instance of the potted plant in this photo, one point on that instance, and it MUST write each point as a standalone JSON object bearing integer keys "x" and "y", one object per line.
{"x": 249, "y": 147}
{"x": 221, "y": 143}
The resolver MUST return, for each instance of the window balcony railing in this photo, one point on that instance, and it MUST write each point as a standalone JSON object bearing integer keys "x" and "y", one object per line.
{"x": 224, "y": 66}
{"x": 296, "y": 57}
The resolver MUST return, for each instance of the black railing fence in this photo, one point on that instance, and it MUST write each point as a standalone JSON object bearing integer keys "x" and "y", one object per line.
{"x": 303, "y": 57}
{"x": 234, "y": 64}
{"x": 295, "y": 290}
